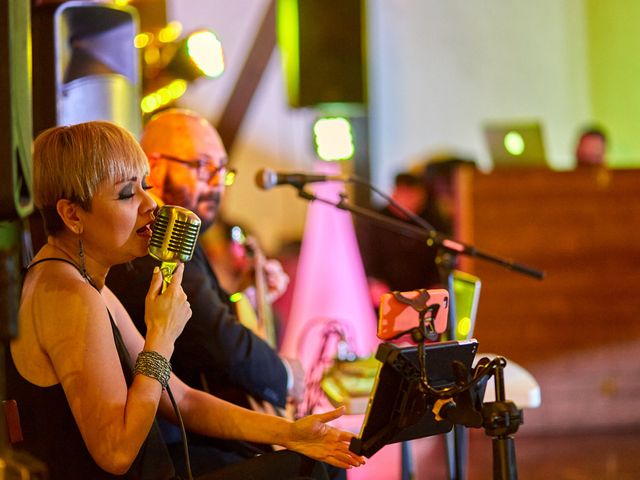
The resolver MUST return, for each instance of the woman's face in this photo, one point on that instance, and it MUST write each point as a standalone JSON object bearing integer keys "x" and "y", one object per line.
{"x": 117, "y": 229}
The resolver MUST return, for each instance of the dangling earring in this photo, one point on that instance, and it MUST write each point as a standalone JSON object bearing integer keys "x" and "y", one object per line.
{"x": 83, "y": 266}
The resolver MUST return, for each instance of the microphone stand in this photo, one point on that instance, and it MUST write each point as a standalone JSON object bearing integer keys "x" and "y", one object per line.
{"x": 431, "y": 237}
{"x": 447, "y": 252}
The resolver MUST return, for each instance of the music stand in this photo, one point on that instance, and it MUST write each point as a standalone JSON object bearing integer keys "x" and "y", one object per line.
{"x": 398, "y": 410}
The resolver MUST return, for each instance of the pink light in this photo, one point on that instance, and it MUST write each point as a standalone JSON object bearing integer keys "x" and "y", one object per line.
{"x": 330, "y": 280}
{"x": 331, "y": 286}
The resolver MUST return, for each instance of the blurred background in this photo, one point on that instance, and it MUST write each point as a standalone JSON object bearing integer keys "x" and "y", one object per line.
{"x": 496, "y": 93}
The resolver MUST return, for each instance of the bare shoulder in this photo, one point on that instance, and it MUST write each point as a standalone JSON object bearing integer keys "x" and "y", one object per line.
{"x": 62, "y": 300}
{"x": 61, "y": 317}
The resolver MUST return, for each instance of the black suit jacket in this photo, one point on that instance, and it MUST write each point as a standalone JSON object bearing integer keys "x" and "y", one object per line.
{"x": 214, "y": 347}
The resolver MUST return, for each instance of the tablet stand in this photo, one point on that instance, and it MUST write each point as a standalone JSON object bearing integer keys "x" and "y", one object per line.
{"x": 417, "y": 403}
{"x": 500, "y": 418}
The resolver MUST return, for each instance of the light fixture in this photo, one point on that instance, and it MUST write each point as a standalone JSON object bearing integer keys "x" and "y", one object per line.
{"x": 333, "y": 138}
{"x": 170, "y": 63}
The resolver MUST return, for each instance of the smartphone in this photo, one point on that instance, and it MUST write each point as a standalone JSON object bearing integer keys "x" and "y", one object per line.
{"x": 400, "y": 311}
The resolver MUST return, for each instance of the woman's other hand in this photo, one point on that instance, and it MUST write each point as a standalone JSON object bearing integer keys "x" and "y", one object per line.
{"x": 312, "y": 437}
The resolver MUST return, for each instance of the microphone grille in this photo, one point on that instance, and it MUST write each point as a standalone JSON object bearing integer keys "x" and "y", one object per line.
{"x": 175, "y": 233}
{"x": 266, "y": 179}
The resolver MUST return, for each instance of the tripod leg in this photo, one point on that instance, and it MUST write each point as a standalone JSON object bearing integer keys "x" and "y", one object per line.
{"x": 457, "y": 446}
{"x": 504, "y": 458}
{"x": 407, "y": 462}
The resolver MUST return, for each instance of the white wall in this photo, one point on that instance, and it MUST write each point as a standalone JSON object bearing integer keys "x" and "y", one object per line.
{"x": 441, "y": 69}
{"x": 438, "y": 70}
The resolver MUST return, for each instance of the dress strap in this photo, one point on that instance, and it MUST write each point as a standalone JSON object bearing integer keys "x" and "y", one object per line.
{"x": 49, "y": 259}
{"x": 59, "y": 259}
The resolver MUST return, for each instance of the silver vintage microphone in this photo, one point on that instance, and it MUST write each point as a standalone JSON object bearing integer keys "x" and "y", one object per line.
{"x": 266, "y": 178}
{"x": 175, "y": 233}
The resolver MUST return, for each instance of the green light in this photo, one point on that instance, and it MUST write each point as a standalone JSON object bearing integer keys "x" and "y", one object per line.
{"x": 205, "y": 50}
{"x": 514, "y": 143}
{"x": 235, "y": 297}
{"x": 289, "y": 43}
{"x": 333, "y": 139}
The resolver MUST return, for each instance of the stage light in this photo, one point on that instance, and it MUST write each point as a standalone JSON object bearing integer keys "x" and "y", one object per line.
{"x": 170, "y": 32}
{"x": 169, "y": 63}
{"x": 97, "y": 71}
{"x": 333, "y": 139}
{"x": 141, "y": 40}
{"x": 199, "y": 54}
{"x": 205, "y": 50}
{"x": 163, "y": 96}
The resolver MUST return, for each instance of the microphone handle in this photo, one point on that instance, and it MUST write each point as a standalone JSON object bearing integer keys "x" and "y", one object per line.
{"x": 167, "y": 269}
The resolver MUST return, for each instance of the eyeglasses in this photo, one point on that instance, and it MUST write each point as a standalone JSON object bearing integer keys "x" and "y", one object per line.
{"x": 206, "y": 169}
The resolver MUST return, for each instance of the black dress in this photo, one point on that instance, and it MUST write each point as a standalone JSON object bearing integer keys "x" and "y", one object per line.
{"x": 51, "y": 434}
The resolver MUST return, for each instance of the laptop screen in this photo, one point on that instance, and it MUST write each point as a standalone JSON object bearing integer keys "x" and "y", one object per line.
{"x": 515, "y": 144}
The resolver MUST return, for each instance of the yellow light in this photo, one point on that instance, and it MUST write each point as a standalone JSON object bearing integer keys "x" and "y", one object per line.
{"x": 164, "y": 96}
{"x": 177, "y": 88}
{"x": 149, "y": 104}
{"x": 170, "y": 32}
{"x": 205, "y": 50}
{"x": 141, "y": 40}
{"x": 334, "y": 139}
{"x": 235, "y": 297}
{"x": 121, "y": 3}
{"x": 464, "y": 325}
{"x": 151, "y": 55}
{"x": 230, "y": 179}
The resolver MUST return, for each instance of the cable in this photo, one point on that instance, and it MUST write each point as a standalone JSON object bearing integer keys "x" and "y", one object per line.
{"x": 416, "y": 219}
{"x": 313, "y": 392}
{"x": 480, "y": 373}
{"x": 183, "y": 433}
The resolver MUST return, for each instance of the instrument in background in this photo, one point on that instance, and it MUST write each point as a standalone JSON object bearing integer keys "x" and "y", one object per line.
{"x": 260, "y": 321}
{"x": 265, "y": 319}
{"x": 350, "y": 382}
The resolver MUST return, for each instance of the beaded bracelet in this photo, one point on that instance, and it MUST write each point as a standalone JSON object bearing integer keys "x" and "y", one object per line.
{"x": 152, "y": 364}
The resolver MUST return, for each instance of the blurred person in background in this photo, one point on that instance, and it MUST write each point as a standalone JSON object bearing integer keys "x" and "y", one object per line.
{"x": 591, "y": 148}
{"x": 392, "y": 261}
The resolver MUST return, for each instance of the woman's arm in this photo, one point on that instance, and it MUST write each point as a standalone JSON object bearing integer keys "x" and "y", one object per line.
{"x": 311, "y": 436}
{"x": 74, "y": 329}
{"x": 208, "y": 415}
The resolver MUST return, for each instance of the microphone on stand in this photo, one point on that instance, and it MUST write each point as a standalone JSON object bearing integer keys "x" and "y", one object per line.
{"x": 175, "y": 233}
{"x": 266, "y": 178}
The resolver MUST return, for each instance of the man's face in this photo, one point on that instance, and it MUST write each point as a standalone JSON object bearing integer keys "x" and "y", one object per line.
{"x": 188, "y": 163}
{"x": 197, "y": 184}
{"x": 591, "y": 150}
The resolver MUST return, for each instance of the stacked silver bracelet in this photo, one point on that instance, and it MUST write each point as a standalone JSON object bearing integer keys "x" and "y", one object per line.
{"x": 152, "y": 364}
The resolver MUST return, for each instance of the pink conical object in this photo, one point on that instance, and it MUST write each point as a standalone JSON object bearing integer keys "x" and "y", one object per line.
{"x": 331, "y": 287}
{"x": 330, "y": 281}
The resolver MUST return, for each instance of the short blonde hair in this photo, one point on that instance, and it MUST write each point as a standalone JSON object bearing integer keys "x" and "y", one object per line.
{"x": 70, "y": 162}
